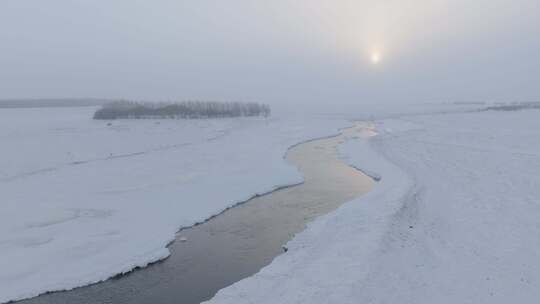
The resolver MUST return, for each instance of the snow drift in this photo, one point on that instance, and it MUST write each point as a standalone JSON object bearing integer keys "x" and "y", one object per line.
{"x": 83, "y": 200}
{"x": 454, "y": 219}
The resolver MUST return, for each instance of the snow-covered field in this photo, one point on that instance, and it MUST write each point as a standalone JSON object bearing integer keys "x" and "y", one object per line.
{"x": 81, "y": 201}
{"x": 454, "y": 219}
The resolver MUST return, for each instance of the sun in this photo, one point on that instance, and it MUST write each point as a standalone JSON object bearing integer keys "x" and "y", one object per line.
{"x": 375, "y": 57}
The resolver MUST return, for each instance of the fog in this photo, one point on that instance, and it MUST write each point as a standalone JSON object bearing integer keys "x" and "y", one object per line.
{"x": 277, "y": 52}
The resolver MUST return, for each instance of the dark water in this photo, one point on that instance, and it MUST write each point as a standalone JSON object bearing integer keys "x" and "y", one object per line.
{"x": 237, "y": 243}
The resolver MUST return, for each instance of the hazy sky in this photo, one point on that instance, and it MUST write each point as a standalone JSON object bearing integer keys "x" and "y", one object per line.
{"x": 272, "y": 51}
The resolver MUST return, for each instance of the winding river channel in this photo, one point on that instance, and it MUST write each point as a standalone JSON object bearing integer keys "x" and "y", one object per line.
{"x": 238, "y": 242}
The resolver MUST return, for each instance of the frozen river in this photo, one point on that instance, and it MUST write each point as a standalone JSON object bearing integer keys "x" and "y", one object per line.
{"x": 238, "y": 242}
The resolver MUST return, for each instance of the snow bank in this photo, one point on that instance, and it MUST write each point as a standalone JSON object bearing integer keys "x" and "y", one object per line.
{"x": 460, "y": 226}
{"x": 325, "y": 262}
{"x": 82, "y": 201}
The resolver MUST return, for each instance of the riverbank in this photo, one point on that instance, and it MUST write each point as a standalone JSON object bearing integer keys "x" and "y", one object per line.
{"x": 105, "y": 198}
{"x": 239, "y": 242}
{"x": 454, "y": 219}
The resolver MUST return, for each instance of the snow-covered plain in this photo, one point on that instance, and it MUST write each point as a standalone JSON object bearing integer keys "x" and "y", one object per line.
{"x": 454, "y": 219}
{"x": 82, "y": 201}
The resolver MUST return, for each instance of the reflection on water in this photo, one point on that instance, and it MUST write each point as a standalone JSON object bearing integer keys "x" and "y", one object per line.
{"x": 239, "y": 242}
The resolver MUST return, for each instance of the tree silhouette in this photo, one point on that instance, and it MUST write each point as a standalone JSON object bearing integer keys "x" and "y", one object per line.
{"x": 180, "y": 110}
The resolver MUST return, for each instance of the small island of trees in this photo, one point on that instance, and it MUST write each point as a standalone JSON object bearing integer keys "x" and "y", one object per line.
{"x": 180, "y": 110}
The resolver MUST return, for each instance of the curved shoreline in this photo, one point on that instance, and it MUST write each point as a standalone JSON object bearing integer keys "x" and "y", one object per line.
{"x": 59, "y": 297}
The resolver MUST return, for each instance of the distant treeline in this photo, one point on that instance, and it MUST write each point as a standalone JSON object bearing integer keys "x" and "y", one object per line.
{"x": 52, "y": 103}
{"x": 175, "y": 110}
{"x": 516, "y": 106}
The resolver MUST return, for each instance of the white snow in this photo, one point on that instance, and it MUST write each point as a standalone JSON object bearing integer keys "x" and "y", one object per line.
{"x": 454, "y": 219}
{"x": 82, "y": 201}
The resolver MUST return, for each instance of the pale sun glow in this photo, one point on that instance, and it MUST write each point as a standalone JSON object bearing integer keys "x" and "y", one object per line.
{"x": 375, "y": 57}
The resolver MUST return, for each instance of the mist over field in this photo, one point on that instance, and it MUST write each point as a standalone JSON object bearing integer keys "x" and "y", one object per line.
{"x": 311, "y": 151}
{"x": 278, "y": 52}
